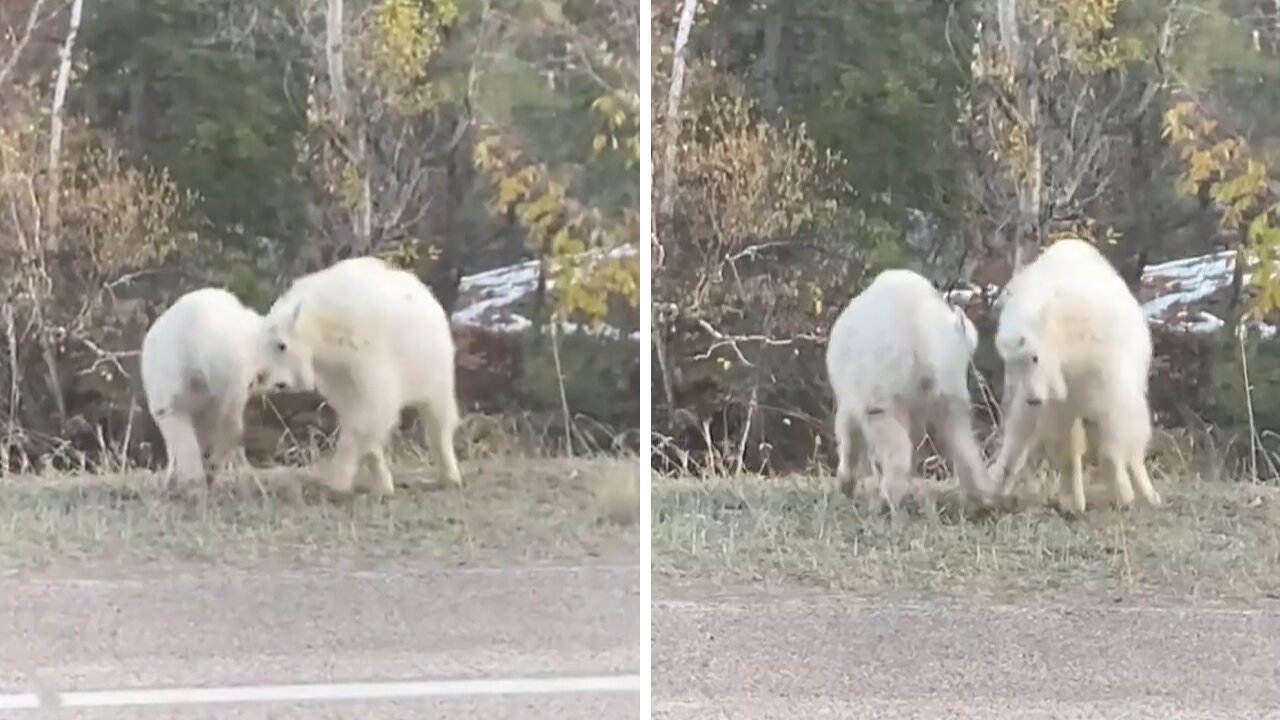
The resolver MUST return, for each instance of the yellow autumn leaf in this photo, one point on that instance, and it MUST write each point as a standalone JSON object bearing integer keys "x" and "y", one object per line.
{"x": 1258, "y": 229}
{"x": 510, "y": 189}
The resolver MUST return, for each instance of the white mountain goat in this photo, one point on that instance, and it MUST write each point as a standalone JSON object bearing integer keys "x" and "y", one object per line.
{"x": 198, "y": 361}
{"x": 1076, "y": 348}
{"x": 372, "y": 340}
{"x": 897, "y": 361}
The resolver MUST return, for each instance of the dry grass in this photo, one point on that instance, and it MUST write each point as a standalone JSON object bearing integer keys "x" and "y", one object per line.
{"x": 513, "y": 509}
{"x": 1213, "y": 541}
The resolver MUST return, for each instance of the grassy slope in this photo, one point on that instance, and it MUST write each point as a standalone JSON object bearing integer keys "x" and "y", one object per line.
{"x": 1213, "y": 541}
{"x": 510, "y": 510}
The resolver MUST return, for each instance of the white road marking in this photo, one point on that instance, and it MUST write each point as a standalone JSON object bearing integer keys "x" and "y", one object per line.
{"x": 19, "y": 701}
{"x": 322, "y": 692}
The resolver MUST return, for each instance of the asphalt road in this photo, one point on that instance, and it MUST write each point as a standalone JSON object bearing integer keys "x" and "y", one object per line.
{"x": 834, "y": 658}
{"x": 234, "y": 629}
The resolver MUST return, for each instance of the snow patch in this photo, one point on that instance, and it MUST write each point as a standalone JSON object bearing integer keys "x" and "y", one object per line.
{"x": 500, "y": 299}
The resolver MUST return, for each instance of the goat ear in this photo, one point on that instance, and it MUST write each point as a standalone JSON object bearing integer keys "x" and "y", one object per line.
{"x": 294, "y": 315}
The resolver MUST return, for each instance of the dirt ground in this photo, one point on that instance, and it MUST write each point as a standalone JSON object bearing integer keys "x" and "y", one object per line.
{"x": 1212, "y": 542}
{"x": 514, "y": 510}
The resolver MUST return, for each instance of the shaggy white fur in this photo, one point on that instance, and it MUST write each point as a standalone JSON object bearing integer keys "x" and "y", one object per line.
{"x": 897, "y": 361}
{"x": 1076, "y": 347}
{"x": 198, "y": 361}
{"x": 372, "y": 340}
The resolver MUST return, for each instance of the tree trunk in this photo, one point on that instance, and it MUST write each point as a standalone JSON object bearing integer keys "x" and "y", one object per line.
{"x": 664, "y": 370}
{"x": 136, "y": 113}
{"x": 1143, "y": 207}
{"x": 1030, "y": 202}
{"x": 672, "y": 129}
{"x": 446, "y": 272}
{"x": 1027, "y": 228}
{"x": 53, "y": 240}
{"x": 1236, "y": 296}
{"x": 1007, "y": 17}
{"x": 333, "y": 48}
{"x": 362, "y": 218}
{"x": 771, "y": 55}
{"x": 350, "y": 129}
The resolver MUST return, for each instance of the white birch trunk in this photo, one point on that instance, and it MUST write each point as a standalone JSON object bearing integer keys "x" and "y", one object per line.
{"x": 672, "y": 130}
{"x": 334, "y": 41}
{"x": 53, "y": 240}
{"x": 1026, "y": 97}
{"x": 350, "y": 128}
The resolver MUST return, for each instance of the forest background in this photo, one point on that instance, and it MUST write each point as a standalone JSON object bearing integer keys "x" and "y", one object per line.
{"x": 150, "y": 147}
{"x": 801, "y": 147}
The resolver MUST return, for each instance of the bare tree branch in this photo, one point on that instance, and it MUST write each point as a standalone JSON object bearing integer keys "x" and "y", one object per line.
{"x": 35, "y": 17}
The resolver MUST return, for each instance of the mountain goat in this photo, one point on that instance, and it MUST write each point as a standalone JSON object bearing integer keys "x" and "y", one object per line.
{"x": 372, "y": 340}
{"x": 897, "y": 360}
{"x": 1076, "y": 350}
{"x": 199, "y": 359}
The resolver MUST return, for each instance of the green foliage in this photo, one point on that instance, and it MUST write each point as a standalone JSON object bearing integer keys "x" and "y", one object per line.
{"x": 217, "y": 112}
{"x": 1225, "y": 401}
{"x": 217, "y": 116}
{"x": 925, "y": 113}
{"x": 565, "y": 74}
{"x": 874, "y": 82}
{"x": 597, "y": 374}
